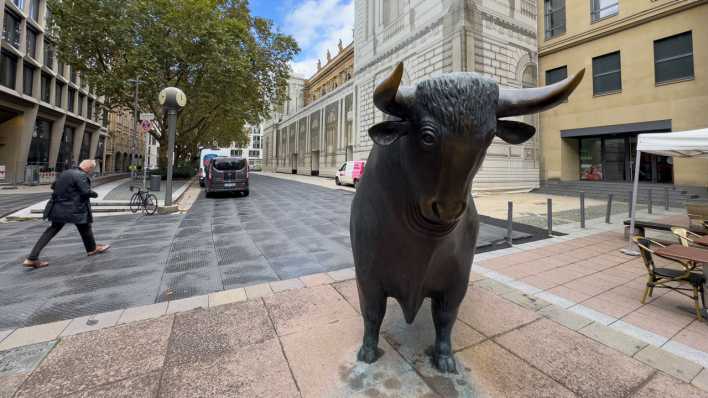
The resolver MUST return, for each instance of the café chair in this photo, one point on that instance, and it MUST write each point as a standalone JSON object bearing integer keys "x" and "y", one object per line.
{"x": 685, "y": 236}
{"x": 664, "y": 278}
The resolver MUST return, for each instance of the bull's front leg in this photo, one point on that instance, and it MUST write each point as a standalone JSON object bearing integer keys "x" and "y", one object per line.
{"x": 372, "y": 301}
{"x": 444, "y": 316}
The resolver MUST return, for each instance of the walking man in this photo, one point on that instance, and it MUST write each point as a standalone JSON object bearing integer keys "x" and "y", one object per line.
{"x": 69, "y": 205}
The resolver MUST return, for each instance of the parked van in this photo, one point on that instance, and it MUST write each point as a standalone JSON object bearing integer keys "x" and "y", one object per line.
{"x": 205, "y": 156}
{"x": 227, "y": 174}
{"x": 350, "y": 172}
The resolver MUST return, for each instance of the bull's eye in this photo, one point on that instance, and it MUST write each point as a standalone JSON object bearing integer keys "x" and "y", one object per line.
{"x": 428, "y": 138}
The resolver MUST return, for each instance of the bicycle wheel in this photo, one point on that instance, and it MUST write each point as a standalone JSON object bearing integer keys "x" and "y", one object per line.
{"x": 150, "y": 204}
{"x": 135, "y": 202}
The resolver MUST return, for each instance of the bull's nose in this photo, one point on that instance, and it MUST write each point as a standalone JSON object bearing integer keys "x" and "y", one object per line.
{"x": 448, "y": 211}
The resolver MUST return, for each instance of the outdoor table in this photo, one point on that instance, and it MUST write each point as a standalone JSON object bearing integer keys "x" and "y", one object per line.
{"x": 703, "y": 241}
{"x": 693, "y": 255}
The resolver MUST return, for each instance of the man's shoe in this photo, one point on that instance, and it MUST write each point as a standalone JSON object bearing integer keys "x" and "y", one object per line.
{"x": 35, "y": 264}
{"x": 99, "y": 249}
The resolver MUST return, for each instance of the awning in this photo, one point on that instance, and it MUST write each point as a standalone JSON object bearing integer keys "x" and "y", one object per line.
{"x": 693, "y": 143}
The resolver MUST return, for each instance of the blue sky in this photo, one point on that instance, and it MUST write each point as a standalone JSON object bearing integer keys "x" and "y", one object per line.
{"x": 317, "y": 26}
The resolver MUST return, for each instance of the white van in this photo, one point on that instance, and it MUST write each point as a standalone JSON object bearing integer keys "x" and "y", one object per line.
{"x": 206, "y": 155}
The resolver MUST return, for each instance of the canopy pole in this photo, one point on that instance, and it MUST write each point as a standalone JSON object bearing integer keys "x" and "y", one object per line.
{"x": 630, "y": 250}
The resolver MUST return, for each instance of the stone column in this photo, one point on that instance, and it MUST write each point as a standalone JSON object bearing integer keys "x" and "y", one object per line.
{"x": 55, "y": 142}
{"x": 78, "y": 138}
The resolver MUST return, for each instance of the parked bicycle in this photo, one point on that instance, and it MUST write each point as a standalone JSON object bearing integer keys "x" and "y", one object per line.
{"x": 144, "y": 200}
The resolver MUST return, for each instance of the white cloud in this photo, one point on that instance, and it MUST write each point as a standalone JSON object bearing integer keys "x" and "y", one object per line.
{"x": 317, "y": 26}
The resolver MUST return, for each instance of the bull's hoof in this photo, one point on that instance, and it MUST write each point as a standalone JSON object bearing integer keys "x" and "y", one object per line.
{"x": 369, "y": 355}
{"x": 444, "y": 363}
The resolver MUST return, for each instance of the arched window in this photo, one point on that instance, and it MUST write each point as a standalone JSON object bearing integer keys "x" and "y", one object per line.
{"x": 528, "y": 79}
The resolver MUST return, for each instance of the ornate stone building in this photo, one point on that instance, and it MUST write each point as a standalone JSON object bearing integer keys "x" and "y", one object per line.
{"x": 496, "y": 38}
{"x": 122, "y": 141}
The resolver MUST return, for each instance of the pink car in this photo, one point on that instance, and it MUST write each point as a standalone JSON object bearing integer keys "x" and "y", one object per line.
{"x": 350, "y": 172}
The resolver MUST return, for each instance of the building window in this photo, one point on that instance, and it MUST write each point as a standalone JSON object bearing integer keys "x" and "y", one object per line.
{"x": 70, "y": 99}
{"x": 80, "y": 109}
{"x": 236, "y": 152}
{"x": 39, "y": 146}
{"x": 48, "y": 54}
{"x": 8, "y": 69}
{"x": 72, "y": 73}
{"x": 32, "y": 43}
{"x": 104, "y": 120}
{"x": 59, "y": 88}
{"x": 11, "y": 29}
{"x": 46, "y": 87}
{"x": 89, "y": 109}
{"x": 85, "y": 146}
{"x": 556, "y": 75}
{"x": 256, "y": 142}
{"x": 673, "y": 58}
{"x": 555, "y": 17}
{"x": 254, "y": 154}
{"x": 606, "y": 74}
{"x": 603, "y": 8}
{"x": 27, "y": 79}
{"x": 66, "y": 150}
{"x": 19, "y": 3}
{"x": 60, "y": 67}
{"x": 34, "y": 10}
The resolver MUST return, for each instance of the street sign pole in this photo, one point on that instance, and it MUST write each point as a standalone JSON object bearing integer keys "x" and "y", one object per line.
{"x": 172, "y": 131}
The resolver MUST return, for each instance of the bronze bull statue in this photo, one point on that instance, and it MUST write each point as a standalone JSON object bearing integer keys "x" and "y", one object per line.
{"x": 413, "y": 225}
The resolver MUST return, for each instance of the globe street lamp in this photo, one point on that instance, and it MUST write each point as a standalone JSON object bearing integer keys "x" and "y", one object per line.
{"x": 172, "y": 99}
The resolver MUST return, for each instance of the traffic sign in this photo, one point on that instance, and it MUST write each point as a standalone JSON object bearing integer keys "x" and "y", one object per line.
{"x": 147, "y": 116}
{"x": 146, "y": 126}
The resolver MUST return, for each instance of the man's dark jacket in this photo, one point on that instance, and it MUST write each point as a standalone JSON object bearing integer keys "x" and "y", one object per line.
{"x": 72, "y": 190}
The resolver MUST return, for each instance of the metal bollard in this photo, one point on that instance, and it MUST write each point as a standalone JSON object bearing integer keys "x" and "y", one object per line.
{"x": 666, "y": 197}
{"x": 651, "y": 203}
{"x": 609, "y": 209}
{"x": 549, "y": 209}
{"x": 629, "y": 203}
{"x": 509, "y": 225}
{"x": 582, "y": 209}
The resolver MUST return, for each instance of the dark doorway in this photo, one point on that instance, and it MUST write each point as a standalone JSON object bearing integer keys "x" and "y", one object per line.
{"x": 612, "y": 157}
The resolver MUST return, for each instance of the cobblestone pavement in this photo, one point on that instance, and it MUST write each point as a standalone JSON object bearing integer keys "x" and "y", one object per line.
{"x": 283, "y": 230}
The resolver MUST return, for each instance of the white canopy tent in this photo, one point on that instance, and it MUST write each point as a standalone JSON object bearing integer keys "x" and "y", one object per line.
{"x": 683, "y": 144}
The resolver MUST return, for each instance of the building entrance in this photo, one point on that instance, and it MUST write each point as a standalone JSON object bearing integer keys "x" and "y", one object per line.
{"x": 315, "y": 171}
{"x": 611, "y": 158}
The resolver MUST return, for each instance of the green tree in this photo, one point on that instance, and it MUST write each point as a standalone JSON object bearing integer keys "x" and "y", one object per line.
{"x": 230, "y": 64}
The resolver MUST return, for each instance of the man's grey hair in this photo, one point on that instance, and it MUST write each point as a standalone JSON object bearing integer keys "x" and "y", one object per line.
{"x": 87, "y": 164}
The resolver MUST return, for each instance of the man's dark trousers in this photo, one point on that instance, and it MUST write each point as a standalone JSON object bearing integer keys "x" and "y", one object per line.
{"x": 84, "y": 230}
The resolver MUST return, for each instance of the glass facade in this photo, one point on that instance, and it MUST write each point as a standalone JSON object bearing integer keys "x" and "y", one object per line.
{"x": 46, "y": 88}
{"x": 11, "y": 29}
{"x": 41, "y": 140}
{"x": 606, "y": 74}
{"x": 603, "y": 9}
{"x": 58, "y": 92}
{"x": 48, "y": 54}
{"x": 27, "y": 79}
{"x": 65, "y": 160}
{"x": 32, "y": 43}
{"x": 85, "y": 146}
{"x": 554, "y": 17}
{"x": 612, "y": 157}
{"x": 8, "y": 69}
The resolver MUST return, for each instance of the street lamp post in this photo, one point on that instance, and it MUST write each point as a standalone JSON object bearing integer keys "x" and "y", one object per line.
{"x": 172, "y": 99}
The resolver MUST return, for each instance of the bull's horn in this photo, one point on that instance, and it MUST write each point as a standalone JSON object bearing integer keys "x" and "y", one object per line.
{"x": 389, "y": 97}
{"x": 522, "y": 101}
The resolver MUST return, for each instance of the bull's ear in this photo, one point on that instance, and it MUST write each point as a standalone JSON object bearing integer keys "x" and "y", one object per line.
{"x": 514, "y": 132}
{"x": 386, "y": 133}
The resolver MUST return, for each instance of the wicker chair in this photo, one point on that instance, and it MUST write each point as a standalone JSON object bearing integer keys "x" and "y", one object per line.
{"x": 665, "y": 277}
{"x": 685, "y": 236}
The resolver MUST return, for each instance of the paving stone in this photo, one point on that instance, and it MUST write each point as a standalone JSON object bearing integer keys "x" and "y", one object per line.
{"x": 323, "y": 361}
{"x": 23, "y": 359}
{"x": 143, "y": 312}
{"x": 662, "y": 385}
{"x": 140, "y": 386}
{"x": 526, "y": 300}
{"x": 257, "y": 370}
{"x": 256, "y": 291}
{"x": 92, "y": 322}
{"x": 307, "y": 308}
{"x": 187, "y": 304}
{"x": 11, "y": 382}
{"x": 33, "y": 334}
{"x": 494, "y": 372}
{"x": 289, "y": 284}
{"x": 475, "y": 312}
{"x": 494, "y": 287}
{"x": 701, "y": 381}
{"x": 316, "y": 279}
{"x": 582, "y": 365}
{"x": 348, "y": 290}
{"x": 5, "y": 333}
{"x": 201, "y": 334}
{"x": 669, "y": 363}
{"x": 89, "y": 360}
{"x": 342, "y": 275}
{"x": 566, "y": 318}
{"x": 227, "y": 297}
{"x": 613, "y": 338}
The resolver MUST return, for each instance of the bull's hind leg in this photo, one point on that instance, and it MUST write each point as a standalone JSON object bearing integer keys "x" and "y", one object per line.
{"x": 444, "y": 316}
{"x": 372, "y": 301}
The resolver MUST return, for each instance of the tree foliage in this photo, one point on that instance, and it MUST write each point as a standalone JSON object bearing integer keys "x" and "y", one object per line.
{"x": 230, "y": 64}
